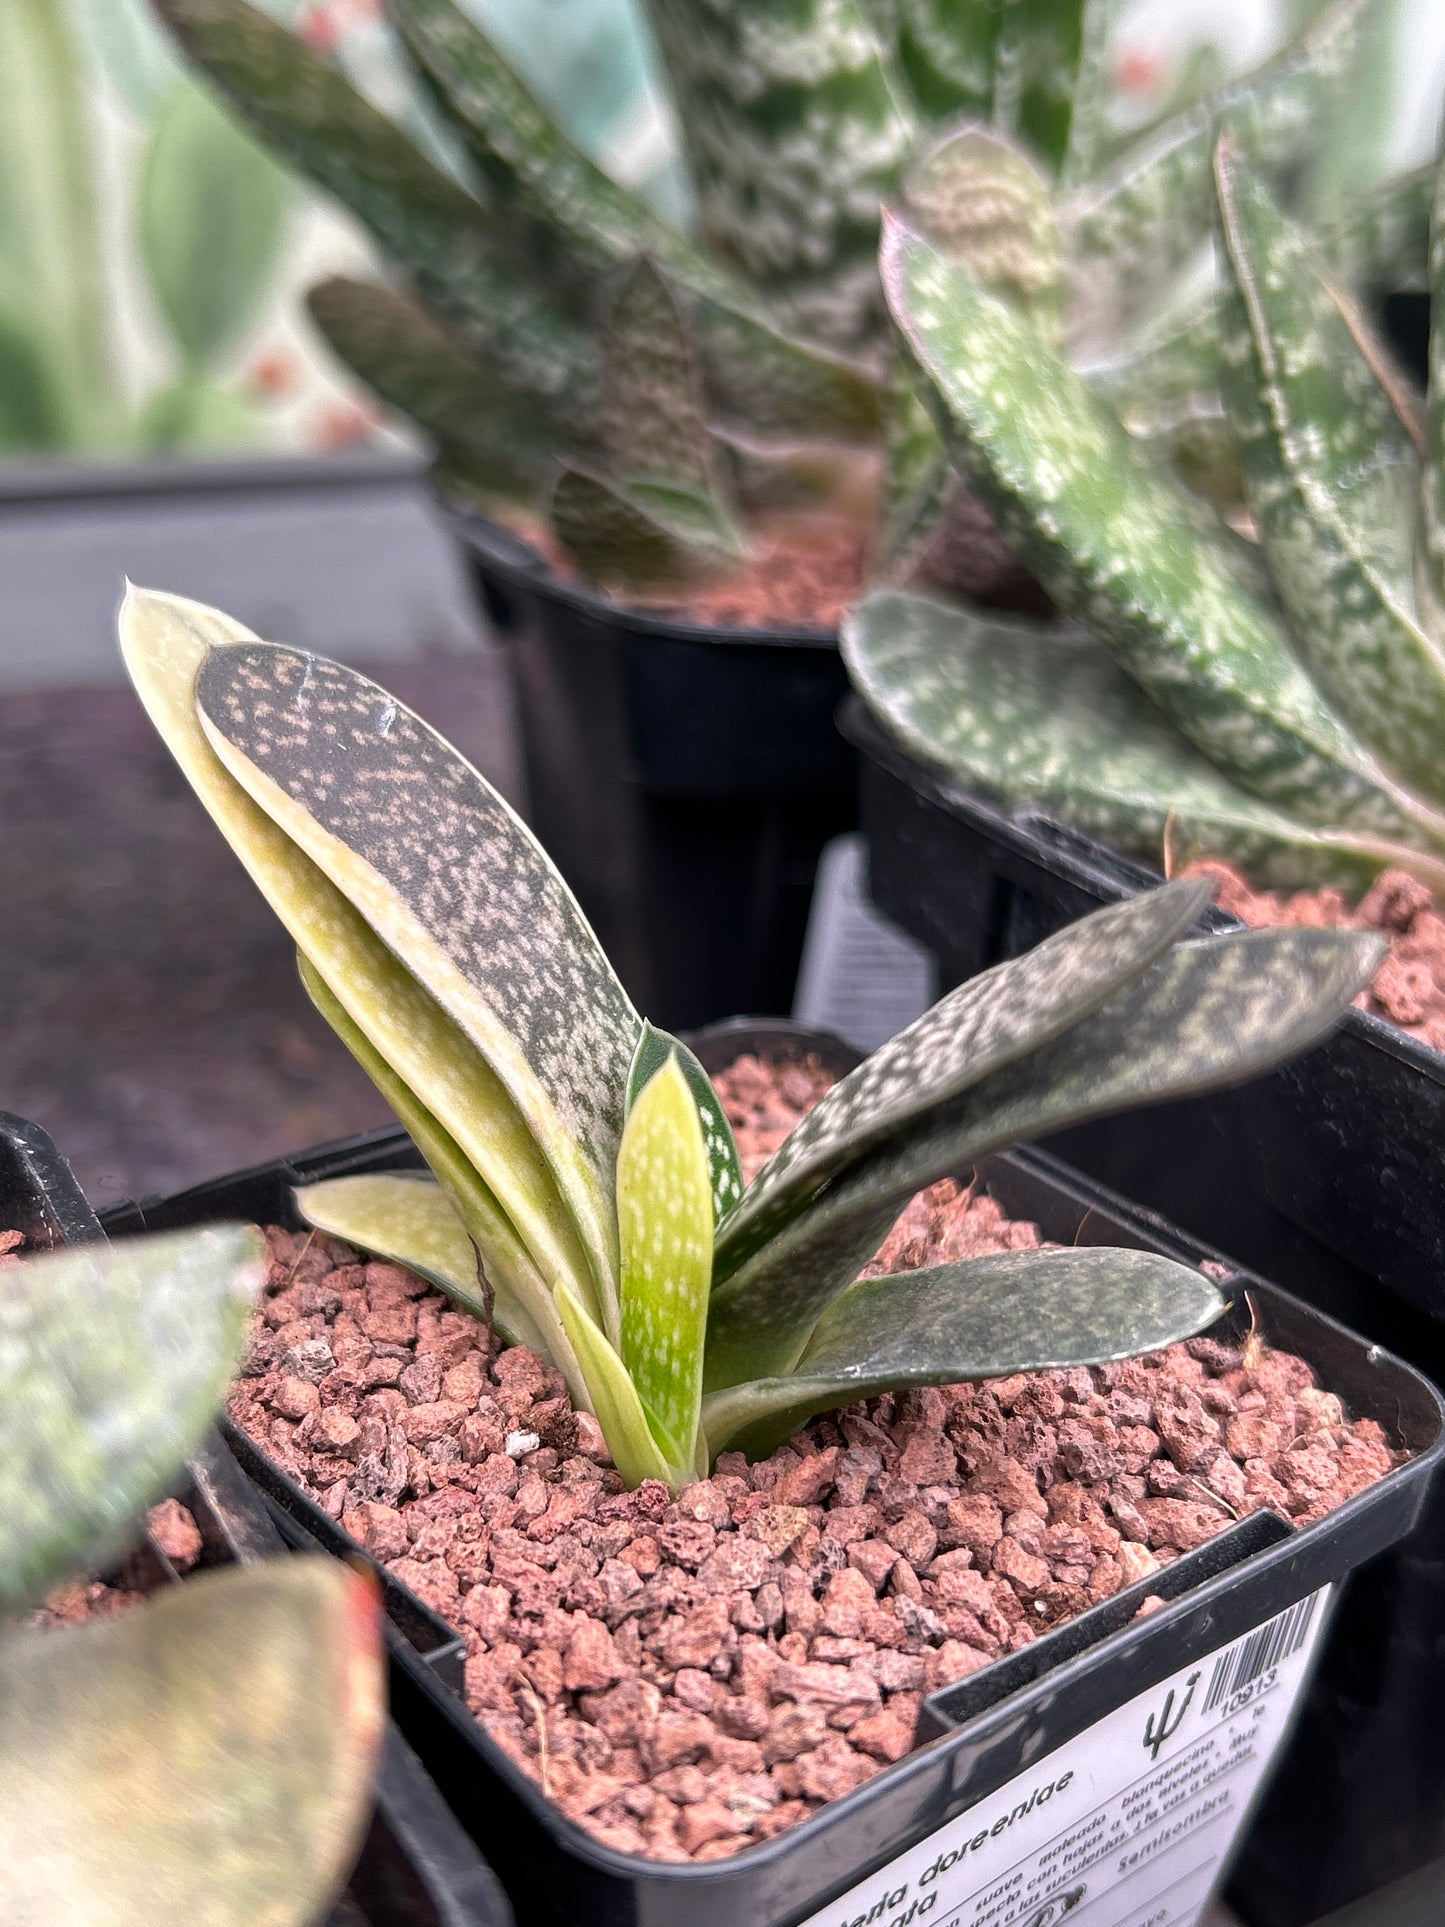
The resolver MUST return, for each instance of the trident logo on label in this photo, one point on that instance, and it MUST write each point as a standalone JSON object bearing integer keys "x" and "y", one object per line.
{"x": 1169, "y": 1721}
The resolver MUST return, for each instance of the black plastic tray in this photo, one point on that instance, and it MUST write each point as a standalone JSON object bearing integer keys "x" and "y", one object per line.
{"x": 683, "y": 778}
{"x": 1016, "y": 1710}
{"x": 417, "y": 1867}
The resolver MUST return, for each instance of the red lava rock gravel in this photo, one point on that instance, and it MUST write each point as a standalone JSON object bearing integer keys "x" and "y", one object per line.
{"x": 1409, "y": 987}
{"x": 686, "y": 1676}
{"x": 78, "y": 1600}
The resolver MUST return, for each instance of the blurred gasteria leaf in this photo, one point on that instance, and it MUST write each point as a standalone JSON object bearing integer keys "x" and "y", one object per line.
{"x": 582, "y": 311}
{"x": 1282, "y": 700}
{"x": 584, "y": 1169}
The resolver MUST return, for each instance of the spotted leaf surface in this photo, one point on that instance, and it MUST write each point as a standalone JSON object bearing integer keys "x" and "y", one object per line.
{"x": 113, "y": 1362}
{"x": 654, "y": 1047}
{"x": 647, "y": 536}
{"x": 1036, "y": 69}
{"x": 654, "y": 411}
{"x": 985, "y": 1023}
{"x": 664, "y": 1210}
{"x": 1383, "y": 239}
{"x": 1039, "y": 717}
{"x": 946, "y": 50}
{"x": 1116, "y": 540}
{"x": 614, "y": 1401}
{"x": 1020, "y": 1311}
{"x": 207, "y": 1757}
{"x": 1330, "y": 474}
{"x": 1210, "y": 1014}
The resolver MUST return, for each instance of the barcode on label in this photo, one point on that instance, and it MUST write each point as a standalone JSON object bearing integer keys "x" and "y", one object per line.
{"x": 1268, "y": 1645}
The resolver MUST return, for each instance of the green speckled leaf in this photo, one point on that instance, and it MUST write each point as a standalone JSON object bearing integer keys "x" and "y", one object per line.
{"x": 654, "y": 1047}
{"x": 1089, "y": 133}
{"x": 1116, "y": 540}
{"x": 915, "y": 481}
{"x": 654, "y": 412}
{"x": 1430, "y": 552}
{"x": 1383, "y": 241}
{"x": 1039, "y": 717}
{"x": 642, "y": 537}
{"x": 1330, "y": 476}
{"x": 986, "y": 1023}
{"x": 207, "y": 1757}
{"x": 485, "y": 433}
{"x": 985, "y": 204}
{"x": 618, "y": 1409}
{"x": 1210, "y": 1014}
{"x": 457, "y": 888}
{"x": 1020, "y": 1311}
{"x": 946, "y": 51}
{"x": 113, "y": 1362}
{"x": 1036, "y": 66}
{"x": 465, "y": 261}
{"x": 665, "y": 1213}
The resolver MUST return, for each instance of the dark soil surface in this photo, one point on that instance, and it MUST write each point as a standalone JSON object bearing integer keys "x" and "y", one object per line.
{"x": 684, "y": 1677}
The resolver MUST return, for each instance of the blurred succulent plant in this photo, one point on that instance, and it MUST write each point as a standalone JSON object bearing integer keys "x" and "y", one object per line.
{"x": 588, "y": 1194}
{"x": 1282, "y": 701}
{"x": 208, "y": 1755}
{"x": 560, "y": 342}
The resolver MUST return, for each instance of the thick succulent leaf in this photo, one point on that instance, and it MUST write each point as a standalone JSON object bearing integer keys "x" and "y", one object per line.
{"x": 645, "y": 538}
{"x": 1212, "y": 1013}
{"x": 1019, "y": 1311}
{"x": 994, "y": 1018}
{"x": 1430, "y": 557}
{"x": 113, "y": 1360}
{"x": 1383, "y": 240}
{"x": 1330, "y": 475}
{"x": 614, "y": 1400}
{"x": 794, "y": 130}
{"x": 654, "y": 1047}
{"x": 665, "y": 1214}
{"x": 165, "y": 640}
{"x": 207, "y": 1757}
{"x": 654, "y": 411}
{"x": 1144, "y": 216}
{"x": 1040, "y": 717}
{"x": 484, "y": 431}
{"x": 946, "y": 52}
{"x": 764, "y": 381}
{"x": 1036, "y": 68}
{"x": 916, "y": 481}
{"x": 984, "y": 203}
{"x": 1117, "y": 540}
{"x": 457, "y": 888}
{"x": 465, "y": 261}
{"x": 1089, "y": 133}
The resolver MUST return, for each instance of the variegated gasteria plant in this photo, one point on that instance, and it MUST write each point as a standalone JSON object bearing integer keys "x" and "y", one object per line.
{"x": 208, "y": 1756}
{"x": 588, "y": 1194}
{"x": 1279, "y": 701}
{"x": 564, "y": 345}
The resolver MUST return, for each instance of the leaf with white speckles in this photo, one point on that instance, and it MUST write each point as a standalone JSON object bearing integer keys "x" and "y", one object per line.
{"x": 1210, "y": 1014}
{"x": 113, "y": 1361}
{"x": 1039, "y": 717}
{"x": 654, "y": 410}
{"x": 1116, "y": 540}
{"x": 1430, "y": 546}
{"x": 618, "y": 1409}
{"x": 1019, "y": 1311}
{"x": 1383, "y": 239}
{"x": 946, "y": 51}
{"x": 996, "y": 1017}
{"x": 665, "y": 1214}
{"x": 1036, "y": 71}
{"x": 1330, "y": 475}
{"x": 654, "y": 1047}
{"x": 643, "y": 536}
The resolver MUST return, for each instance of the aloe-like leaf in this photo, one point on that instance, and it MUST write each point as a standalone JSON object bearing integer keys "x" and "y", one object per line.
{"x": 1144, "y": 216}
{"x": 1036, "y": 69}
{"x": 165, "y": 641}
{"x": 1040, "y": 717}
{"x": 1383, "y": 240}
{"x": 654, "y": 1048}
{"x": 643, "y": 536}
{"x": 113, "y": 1360}
{"x": 980, "y": 199}
{"x": 1019, "y": 1311}
{"x": 614, "y": 1399}
{"x": 1089, "y": 133}
{"x": 1210, "y": 1014}
{"x": 665, "y": 1214}
{"x": 946, "y": 52}
{"x": 994, "y": 1018}
{"x": 795, "y": 130}
{"x": 1430, "y": 552}
{"x": 485, "y": 433}
{"x": 1117, "y": 540}
{"x": 916, "y": 481}
{"x": 654, "y": 411}
{"x": 454, "y": 884}
{"x": 207, "y": 1757}
{"x": 1330, "y": 475}
{"x": 463, "y": 259}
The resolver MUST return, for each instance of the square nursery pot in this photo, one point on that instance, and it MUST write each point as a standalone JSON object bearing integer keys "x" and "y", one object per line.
{"x": 1329, "y": 1176}
{"x": 683, "y": 777}
{"x": 417, "y": 1866}
{"x": 1139, "y": 1715}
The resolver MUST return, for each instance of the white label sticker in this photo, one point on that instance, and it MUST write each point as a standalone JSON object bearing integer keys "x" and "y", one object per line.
{"x": 1125, "y": 1826}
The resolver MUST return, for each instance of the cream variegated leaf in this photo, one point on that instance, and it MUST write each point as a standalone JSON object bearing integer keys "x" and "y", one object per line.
{"x": 654, "y": 1047}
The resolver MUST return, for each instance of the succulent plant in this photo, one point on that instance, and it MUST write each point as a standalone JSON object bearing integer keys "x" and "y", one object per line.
{"x": 209, "y": 1753}
{"x": 561, "y": 342}
{"x": 1280, "y": 700}
{"x": 587, "y": 1192}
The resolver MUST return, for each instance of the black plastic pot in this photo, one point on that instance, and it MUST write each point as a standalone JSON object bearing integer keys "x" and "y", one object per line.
{"x": 417, "y": 1867}
{"x": 683, "y": 778}
{"x": 1003, "y": 1720}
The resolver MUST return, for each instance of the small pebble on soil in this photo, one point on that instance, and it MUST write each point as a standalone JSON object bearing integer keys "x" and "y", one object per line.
{"x": 686, "y": 1676}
